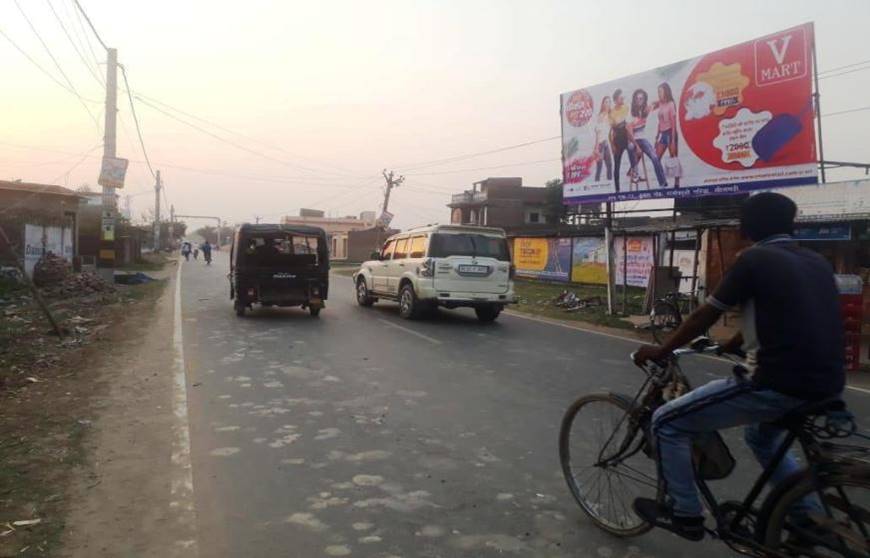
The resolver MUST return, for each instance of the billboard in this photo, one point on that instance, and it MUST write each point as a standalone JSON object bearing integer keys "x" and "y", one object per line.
{"x": 113, "y": 172}
{"x": 735, "y": 120}
{"x": 634, "y": 262}
{"x": 589, "y": 261}
{"x": 542, "y": 258}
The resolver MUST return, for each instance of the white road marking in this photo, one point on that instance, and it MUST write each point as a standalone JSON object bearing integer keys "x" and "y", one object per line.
{"x": 182, "y": 482}
{"x": 623, "y": 338}
{"x": 411, "y": 331}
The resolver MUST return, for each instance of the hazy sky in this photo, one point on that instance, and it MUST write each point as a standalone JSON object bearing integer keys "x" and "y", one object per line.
{"x": 329, "y": 93}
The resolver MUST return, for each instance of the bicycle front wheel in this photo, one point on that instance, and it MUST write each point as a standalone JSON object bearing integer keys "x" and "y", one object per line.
{"x": 840, "y": 528}
{"x": 596, "y": 425}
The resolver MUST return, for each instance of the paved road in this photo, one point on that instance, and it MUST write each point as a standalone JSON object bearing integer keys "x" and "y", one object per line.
{"x": 358, "y": 433}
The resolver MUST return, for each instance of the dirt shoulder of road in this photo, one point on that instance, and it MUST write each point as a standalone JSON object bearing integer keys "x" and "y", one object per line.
{"x": 85, "y": 449}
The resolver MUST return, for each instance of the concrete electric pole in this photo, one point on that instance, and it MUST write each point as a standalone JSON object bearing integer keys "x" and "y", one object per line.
{"x": 157, "y": 187}
{"x": 392, "y": 182}
{"x": 110, "y": 205}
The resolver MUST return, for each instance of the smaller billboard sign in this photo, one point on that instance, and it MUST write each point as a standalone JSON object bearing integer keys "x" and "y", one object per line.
{"x": 113, "y": 172}
{"x": 634, "y": 263}
{"x": 542, "y": 258}
{"x": 589, "y": 261}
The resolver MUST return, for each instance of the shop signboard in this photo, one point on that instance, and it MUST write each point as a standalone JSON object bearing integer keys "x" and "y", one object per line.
{"x": 542, "y": 258}
{"x": 731, "y": 121}
{"x": 840, "y": 231}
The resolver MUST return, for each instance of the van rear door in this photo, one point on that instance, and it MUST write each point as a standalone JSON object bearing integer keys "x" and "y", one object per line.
{"x": 470, "y": 262}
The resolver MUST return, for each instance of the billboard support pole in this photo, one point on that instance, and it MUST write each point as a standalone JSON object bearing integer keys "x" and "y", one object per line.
{"x": 624, "y": 273}
{"x": 818, "y": 108}
{"x": 608, "y": 240}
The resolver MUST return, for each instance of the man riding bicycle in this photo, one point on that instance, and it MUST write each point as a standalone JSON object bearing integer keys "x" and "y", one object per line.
{"x": 793, "y": 335}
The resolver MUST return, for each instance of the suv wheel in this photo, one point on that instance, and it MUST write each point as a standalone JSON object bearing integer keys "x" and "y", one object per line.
{"x": 362, "y": 293}
{"x": 409, "y": 306}
{"x": 487, "y": 314}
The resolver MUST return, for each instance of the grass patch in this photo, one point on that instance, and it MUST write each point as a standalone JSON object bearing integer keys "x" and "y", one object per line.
{"x": 148, "y": 262}
{"x": 536, "y": 297}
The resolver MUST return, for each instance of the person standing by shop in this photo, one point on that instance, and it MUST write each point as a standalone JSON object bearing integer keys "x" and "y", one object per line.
{"x": 619, "y": 134}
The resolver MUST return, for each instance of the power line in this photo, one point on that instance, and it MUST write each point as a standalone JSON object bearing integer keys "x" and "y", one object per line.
{"x": 75, "y": 47}
{"x": 82, "y": 35}
{"x": 846, "y": 111}
{"x": 136, "y": 120}
{"x": 837, "y": 69}
{"x": 39, "y": 67}
{"x": 844, "y": 73}
{"x": 90, "y": 23}
{"x": 244, "y": 136}
{"x": 56, "y": 63}
{"x": 435, "y": 162}
{"x": 485, "y": 168}
{"x": 223, "y": 139}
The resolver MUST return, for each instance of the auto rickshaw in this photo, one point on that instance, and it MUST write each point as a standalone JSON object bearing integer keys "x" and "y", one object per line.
{"x": 279, "y": 265}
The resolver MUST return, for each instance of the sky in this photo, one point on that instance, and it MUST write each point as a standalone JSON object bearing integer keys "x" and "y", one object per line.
{"x": 311, "y": 100}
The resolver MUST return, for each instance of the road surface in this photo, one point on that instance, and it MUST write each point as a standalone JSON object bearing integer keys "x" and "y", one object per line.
{"x": 360, "y": 434}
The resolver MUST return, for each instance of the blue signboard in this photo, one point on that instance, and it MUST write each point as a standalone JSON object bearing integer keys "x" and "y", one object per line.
{"x": 840, "y": 231}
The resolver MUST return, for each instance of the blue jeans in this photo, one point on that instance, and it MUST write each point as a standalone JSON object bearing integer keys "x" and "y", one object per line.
{"x": 648, "y": 150}
{"x": 715, "y": 406}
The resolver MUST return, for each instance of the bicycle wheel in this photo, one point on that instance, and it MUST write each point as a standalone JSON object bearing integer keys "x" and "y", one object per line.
{"x": 594, "y": 425}
{"x": 664, "y": 319}
{"x": 842, "y": 528}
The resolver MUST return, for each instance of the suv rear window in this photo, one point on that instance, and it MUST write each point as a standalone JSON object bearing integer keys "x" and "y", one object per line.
{"x": 442, "y": 245}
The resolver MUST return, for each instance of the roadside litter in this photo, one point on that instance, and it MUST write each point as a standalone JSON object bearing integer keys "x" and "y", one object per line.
{"x": 137, "y": 278}
{"x": 570, "y": 302}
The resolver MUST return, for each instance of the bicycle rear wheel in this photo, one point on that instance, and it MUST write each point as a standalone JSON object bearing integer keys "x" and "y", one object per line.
{"x": 664, "y": 319}
{"x": 594, "y": 425}
{"x": 841, "y": 529}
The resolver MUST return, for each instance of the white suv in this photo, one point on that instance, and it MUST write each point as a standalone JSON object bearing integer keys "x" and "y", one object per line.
{"x": 440, "y": 265}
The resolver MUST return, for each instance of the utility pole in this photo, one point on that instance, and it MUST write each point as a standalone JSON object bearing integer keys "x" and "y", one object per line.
{"x": 172, "y": 226}
{"x": 110, "y": 207}
{"x": 157, "y": 187}
{"x": 392, "y": 182}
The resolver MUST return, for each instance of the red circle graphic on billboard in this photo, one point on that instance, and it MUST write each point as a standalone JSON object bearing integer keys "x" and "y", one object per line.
{"x": 579, "y": 108}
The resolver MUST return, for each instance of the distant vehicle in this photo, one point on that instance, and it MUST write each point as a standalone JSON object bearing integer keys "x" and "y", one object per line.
{"x": 279, "y": 265}
{"x": 440, "y": 265}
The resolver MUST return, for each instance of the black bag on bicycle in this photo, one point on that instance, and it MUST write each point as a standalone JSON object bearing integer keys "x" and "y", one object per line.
{"x": 712, "y": 458}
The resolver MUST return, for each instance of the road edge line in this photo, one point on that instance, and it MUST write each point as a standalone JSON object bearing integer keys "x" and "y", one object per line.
{"x": 181, "y": 491}
{"x": 558, "y": 323}
{"x": 422, "y": 336}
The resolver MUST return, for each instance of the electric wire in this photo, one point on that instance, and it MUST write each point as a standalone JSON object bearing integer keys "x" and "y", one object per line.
{"x": 90, "y": 24}
{"x": 136, "y": 121}
{"x": 82, "y": 34}
{"x": 484, "y": 168}
{"x": 71, "y": 42}
{"x": 436, "y": 162}
{"x": 330, "y": 166}
{"x": 838, "y": 68}
{"x": 57, "y": 64}
{"x": 844, "y": 73}
{"x": 858, "y": 109}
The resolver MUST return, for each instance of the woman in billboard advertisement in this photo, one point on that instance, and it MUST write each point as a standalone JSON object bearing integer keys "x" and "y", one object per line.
{"x": 619, "y": 138}
{"x": 602, "y": 141}
{"x": 637, "y": 132}
{"x": 666, "y": 137}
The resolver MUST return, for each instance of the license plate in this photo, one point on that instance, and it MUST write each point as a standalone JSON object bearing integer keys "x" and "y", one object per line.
{"x": 283, "y": 276}
{"x": 474, "y": 269}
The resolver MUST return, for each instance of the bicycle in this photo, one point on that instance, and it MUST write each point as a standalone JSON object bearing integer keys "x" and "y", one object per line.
{"x": 607, "y": 469}
{"x": 667, "y": 313}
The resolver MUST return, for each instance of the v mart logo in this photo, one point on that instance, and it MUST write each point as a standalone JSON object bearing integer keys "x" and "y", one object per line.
{"x": 782, "y": 57}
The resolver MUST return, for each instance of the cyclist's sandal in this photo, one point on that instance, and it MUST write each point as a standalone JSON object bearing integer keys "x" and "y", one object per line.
{"x": 651, "y": 511}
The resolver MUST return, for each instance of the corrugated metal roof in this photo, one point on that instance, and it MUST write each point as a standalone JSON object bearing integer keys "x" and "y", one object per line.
{"x": 34, "y": 188}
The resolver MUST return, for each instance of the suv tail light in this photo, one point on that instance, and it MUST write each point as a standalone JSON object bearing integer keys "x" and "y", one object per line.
{"x": 427, "y": 268}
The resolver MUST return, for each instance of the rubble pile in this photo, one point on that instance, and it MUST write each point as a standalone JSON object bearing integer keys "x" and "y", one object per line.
{"x": 50, "y": 270}
{"x": 80, "y": 284}
{"x": 570, "y": 302}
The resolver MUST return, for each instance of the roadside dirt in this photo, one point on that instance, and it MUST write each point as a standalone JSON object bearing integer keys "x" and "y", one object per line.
{"x": 86, "y": 450}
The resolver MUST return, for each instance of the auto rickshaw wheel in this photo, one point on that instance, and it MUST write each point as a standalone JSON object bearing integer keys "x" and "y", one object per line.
{"x": 315, "y": 311}
{"x": 240, "y": 308}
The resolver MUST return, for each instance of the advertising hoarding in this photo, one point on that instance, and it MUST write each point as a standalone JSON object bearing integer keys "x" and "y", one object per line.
{"x": 542, "y": 258}
{"x": 735, "y": 120}
{"x": 113, "y": 172}
{"x": 589, "y": 261}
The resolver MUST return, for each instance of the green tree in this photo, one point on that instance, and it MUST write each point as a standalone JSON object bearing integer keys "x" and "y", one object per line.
{"x": 554, "y": 209}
